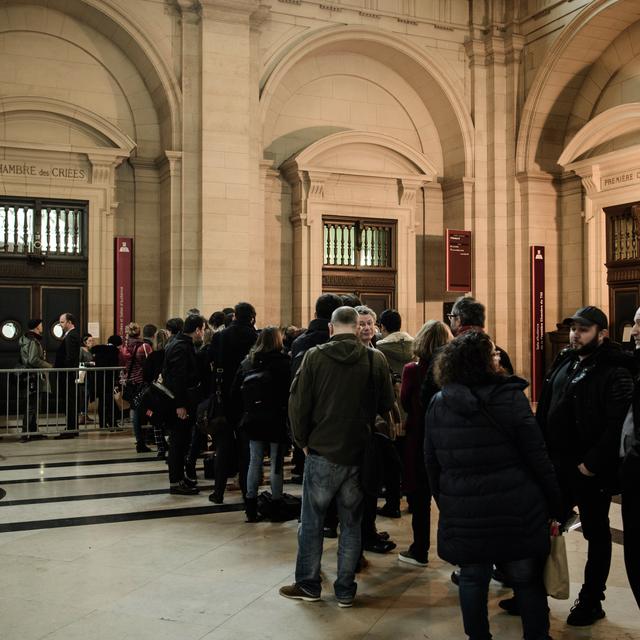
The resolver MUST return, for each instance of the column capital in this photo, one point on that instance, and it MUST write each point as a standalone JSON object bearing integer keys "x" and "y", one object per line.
{"x": 189, "y": 11}
{"x": 229, "y": 10}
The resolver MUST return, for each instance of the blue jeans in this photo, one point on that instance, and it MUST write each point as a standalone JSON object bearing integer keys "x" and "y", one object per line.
{"x": 324, "y": 480}
{"x": 525, "y": 576}
{"x": 137, "y": 427}
{"x": 256, "y": 448}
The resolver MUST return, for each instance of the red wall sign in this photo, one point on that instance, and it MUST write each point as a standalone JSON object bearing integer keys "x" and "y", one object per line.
{"x": 537, "y": 321}
{"x": 123, "y": 287}
{"x": 458, "y": 256}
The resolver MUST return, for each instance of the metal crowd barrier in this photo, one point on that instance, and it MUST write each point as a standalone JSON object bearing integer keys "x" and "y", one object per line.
{"x": 44, "y": 402}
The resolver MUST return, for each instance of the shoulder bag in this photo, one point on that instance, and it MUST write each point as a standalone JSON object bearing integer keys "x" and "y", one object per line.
{"x": 129, "y": 389}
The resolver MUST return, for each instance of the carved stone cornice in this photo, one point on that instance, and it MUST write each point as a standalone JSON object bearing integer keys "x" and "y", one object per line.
{"x": 476, "y": 52}
{"x": 103, "y": 170}
{"x": 261, "y": 15}
{"x": 169, "y": 164}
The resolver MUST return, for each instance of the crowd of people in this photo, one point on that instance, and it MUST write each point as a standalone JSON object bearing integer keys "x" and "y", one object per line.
{"x": 366, "y": 410}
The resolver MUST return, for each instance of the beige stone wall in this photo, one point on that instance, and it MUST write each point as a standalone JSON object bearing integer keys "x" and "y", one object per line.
{"x": 203, "y": 107}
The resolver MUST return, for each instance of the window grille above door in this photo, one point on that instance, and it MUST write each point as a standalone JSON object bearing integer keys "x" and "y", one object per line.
{"x": 623, "y": 233}
{"x": 35, "y": 227}
{"x": 358, "y": 244}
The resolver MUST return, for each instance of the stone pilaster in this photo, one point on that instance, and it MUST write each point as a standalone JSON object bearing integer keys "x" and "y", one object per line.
{"x": 186, "y": 291}
{"x": 229, "y": 252}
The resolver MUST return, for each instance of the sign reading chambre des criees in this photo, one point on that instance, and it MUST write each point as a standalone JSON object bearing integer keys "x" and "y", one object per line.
{"x": 18, "y": 169}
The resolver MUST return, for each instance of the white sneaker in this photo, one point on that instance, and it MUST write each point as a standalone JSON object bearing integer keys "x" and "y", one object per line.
{"x": 406, "y": 556}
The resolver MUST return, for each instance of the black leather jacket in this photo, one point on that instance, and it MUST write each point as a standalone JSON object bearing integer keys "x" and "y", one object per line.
{"x": 586, "y": 424}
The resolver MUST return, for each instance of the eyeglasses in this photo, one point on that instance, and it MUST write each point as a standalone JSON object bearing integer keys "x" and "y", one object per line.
{"x": 452, "y": 315}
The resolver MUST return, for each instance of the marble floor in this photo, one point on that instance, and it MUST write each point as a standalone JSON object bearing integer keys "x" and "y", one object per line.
{"x": 93, "y": 547}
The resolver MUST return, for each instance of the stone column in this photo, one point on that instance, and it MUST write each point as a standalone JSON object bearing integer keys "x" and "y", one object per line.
{"x": 170, "y": 286}
{"x": 148, "y": 237}
{"x": 494, "y": 62}
{"x": 101, "y": 234}
{"x": 186, "y": 292}
{"x": 538, "y": 213}
{"x": 229, "y": 254}
{"x": 483, "y": 260}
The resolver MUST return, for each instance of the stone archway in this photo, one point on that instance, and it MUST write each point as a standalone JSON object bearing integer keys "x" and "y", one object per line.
{"x": 553, "y": 92}
{"x": 608, "y": 179}
{"x": 428, "y": 74}
{"x": 354, "y": 173}
{"x": 82, "y": 172}
{"x": 129, "y": 100}
{"x": 419, "y": 102}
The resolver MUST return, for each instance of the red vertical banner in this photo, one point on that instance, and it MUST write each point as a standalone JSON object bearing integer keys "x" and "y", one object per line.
{"x": 123, "y": 289}
{"x": 537, "y": 321}
{"x": 458, "y": 260}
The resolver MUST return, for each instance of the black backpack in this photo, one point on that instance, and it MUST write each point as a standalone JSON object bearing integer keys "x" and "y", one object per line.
{"x": 258, "y": 391}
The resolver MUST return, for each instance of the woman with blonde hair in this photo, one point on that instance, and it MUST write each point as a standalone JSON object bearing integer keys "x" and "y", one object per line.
{"x": 416, "y": 392}
{"x": 133, "y": 354}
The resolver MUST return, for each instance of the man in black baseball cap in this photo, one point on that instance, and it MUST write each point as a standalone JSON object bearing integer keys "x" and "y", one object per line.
{"x": 581, "y": 411}
{"x": 588, "y": 316}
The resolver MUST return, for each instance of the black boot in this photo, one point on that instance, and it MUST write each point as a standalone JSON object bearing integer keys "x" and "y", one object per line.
{"x": 251, "y": 509}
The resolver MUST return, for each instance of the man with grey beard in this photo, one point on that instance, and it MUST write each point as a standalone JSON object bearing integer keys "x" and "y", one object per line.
{"x": 582, "y": 408}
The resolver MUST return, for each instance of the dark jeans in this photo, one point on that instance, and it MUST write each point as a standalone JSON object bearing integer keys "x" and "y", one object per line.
{"x": 179, "y": 440}
{"x": 232, "y": 456}
{"x": 196, "y": 447}
{"x": 67, "y": 392}
{"x": 631, "y": 521}
{"x": 29, "y": 408}
{"x": 593, "y": 503}
{"x": 392, "y": 471}
{"x": 107, "y": 410}
{"x": 324, "y": 480}
{"x": 525, "y": 576}
{"x": 369, "y": 506}
{"x": 420, "y": 501}
{"x": 226, "y": 457}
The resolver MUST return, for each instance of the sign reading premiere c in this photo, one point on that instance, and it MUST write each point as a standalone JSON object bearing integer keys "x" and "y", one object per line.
{"x": 458, "y": 260}
{"x": 123, "y": 307}
{"x": 537, "y": 321}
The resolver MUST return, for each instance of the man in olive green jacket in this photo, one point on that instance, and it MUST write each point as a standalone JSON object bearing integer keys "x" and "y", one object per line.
{"x": 330, "y": 407}
{"x": 32, "y": 356}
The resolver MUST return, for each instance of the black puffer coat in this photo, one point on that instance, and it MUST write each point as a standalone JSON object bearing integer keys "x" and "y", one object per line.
{"x": 495, "y": 487}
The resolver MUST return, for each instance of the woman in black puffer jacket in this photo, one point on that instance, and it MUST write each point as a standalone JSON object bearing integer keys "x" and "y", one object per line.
{"x": 492, "y": 480}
